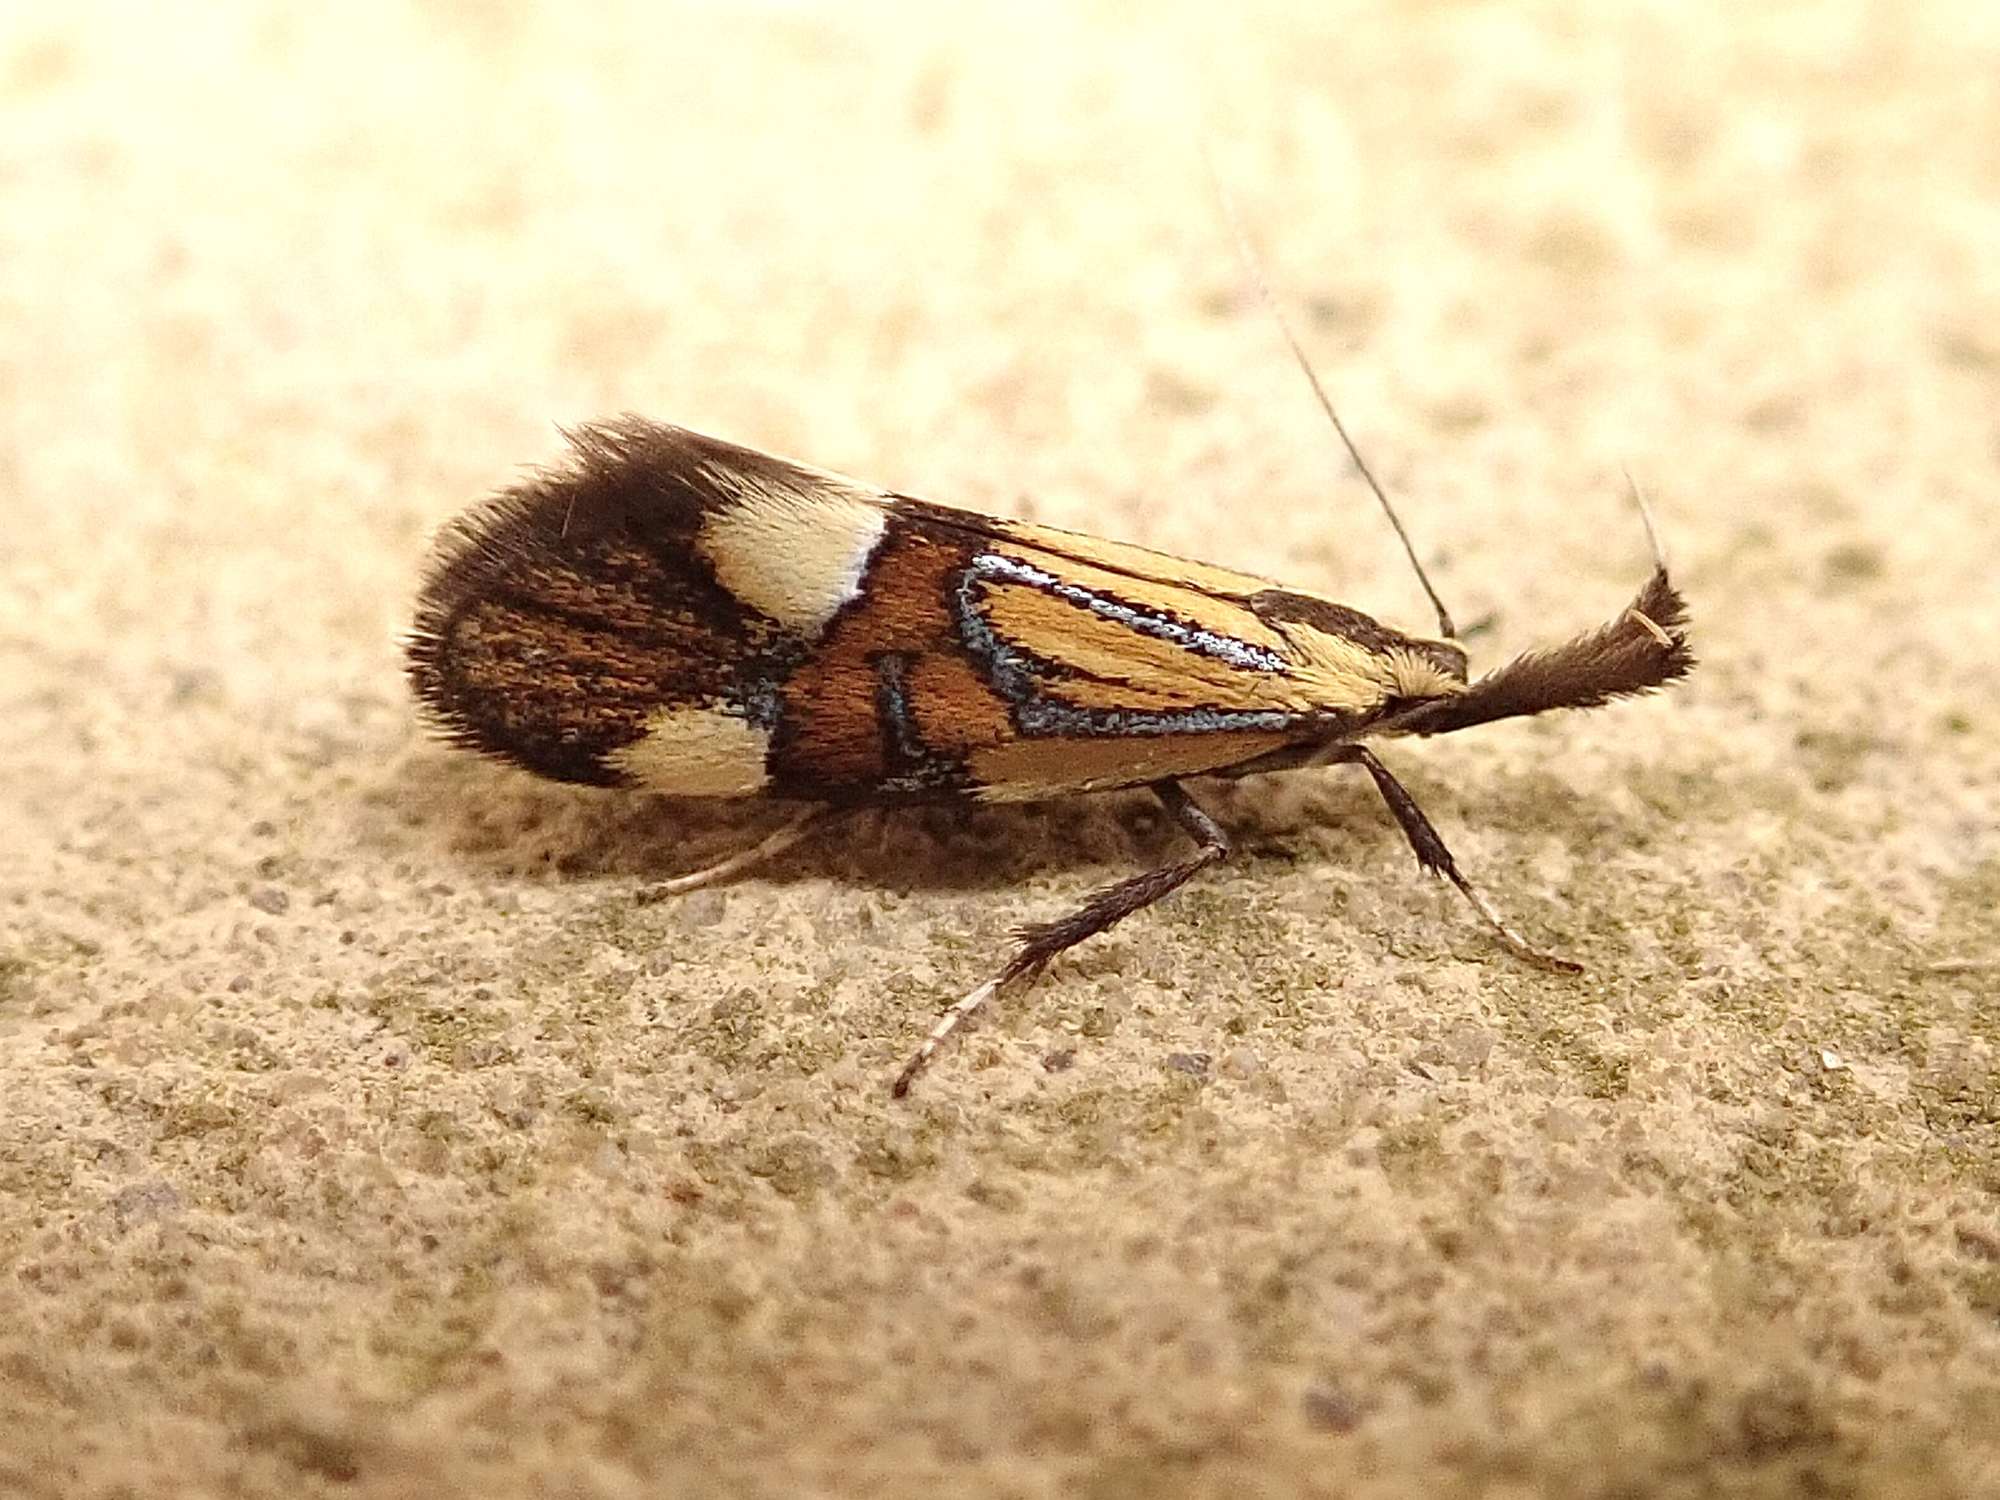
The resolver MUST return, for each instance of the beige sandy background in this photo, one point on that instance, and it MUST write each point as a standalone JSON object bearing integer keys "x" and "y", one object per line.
{"x": 361, "y": 1133}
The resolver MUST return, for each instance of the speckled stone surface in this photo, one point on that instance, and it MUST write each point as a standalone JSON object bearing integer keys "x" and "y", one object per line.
{"x": 362, "y": 1133}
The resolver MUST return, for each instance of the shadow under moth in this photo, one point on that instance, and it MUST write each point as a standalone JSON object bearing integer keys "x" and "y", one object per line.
{"x": 669, "y": 612}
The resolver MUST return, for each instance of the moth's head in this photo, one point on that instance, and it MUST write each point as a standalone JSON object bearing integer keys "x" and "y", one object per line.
{"x": 1427, "y": 666}
{"x": 1361, "y": 664}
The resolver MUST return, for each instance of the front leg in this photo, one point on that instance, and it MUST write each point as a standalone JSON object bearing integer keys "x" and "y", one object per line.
{"x": 1429, "y": 847}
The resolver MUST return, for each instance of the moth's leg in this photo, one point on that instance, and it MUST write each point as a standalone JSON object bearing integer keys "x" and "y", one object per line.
{"x": 1042, "y": 941}
{"x": 1431, "y": 853}
{"x": 803, "y": 826}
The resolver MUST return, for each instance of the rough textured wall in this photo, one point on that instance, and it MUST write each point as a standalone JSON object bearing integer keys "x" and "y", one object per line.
{"x": 361, "y": 1131}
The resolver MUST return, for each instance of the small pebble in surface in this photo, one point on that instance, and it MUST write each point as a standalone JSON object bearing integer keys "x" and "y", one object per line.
{"x": 1242, "y": 1062}
{"x": 1330, "y": 1410}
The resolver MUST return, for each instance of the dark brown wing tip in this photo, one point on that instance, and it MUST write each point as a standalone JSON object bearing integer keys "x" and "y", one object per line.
{"x": 506, "y": 652}
{"x": 609, "y": 447}
{"x": 470, "y": 556}
{"x": 1643, "y": 649}
{"x": 491, "y": 551}
{"x": 441, "y": 667}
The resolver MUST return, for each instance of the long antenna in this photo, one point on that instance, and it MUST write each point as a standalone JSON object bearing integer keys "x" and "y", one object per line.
{"x": 1255, "y": 266}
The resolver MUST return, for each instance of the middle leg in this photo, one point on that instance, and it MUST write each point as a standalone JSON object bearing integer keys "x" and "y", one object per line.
{"x": 1042, "y": 941}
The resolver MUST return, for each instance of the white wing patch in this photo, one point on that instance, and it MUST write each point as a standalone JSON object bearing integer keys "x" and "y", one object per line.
{"x": 794, "y": 553}
{"x": 697, "y": 752}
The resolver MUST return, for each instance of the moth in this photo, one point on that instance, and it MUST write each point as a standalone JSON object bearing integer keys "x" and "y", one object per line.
{"x": 674, "y": 613}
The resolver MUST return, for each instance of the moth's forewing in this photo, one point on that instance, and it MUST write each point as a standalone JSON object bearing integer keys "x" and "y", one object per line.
{"x": 678, "y": 613}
